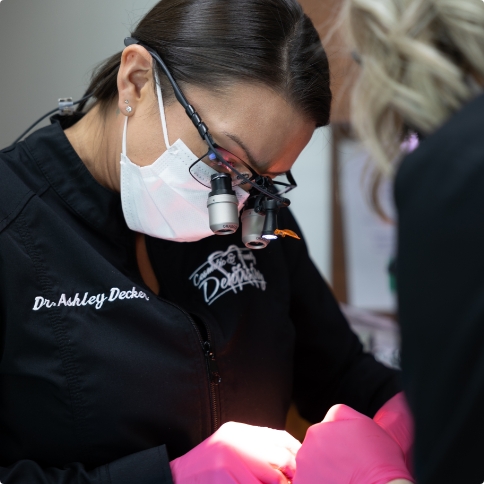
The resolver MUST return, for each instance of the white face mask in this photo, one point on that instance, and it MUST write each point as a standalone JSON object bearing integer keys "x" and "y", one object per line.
{"x": 163, "y": 200}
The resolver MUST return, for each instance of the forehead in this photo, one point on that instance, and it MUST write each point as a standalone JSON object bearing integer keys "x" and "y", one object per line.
{"x": 273, "y": 130}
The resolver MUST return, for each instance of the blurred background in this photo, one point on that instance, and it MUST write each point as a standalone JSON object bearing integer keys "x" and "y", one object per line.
{"x": 48, "y": 49}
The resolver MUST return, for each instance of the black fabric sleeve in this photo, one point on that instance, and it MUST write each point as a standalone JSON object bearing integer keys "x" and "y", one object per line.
{"x": 330, "y": 364}
{"x": 440, "y": 276}
{"x": 146, "y": 467}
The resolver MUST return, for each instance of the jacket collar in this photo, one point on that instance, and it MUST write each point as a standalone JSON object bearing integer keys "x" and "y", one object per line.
{"x": 71, "y": 180}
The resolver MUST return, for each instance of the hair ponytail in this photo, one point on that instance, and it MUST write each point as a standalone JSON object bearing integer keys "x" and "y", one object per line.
{"x": 103, "y": 85}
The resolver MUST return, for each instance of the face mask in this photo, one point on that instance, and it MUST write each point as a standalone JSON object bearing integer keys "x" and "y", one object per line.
{"x": 163, "y": 200}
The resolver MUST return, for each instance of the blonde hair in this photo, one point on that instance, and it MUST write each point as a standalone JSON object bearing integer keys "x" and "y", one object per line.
{"x": 418, "y": 61}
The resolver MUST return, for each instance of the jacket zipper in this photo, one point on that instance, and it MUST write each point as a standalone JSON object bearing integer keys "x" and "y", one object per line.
{"x": 214, "y": 377}
{"x": 215, "y": 380}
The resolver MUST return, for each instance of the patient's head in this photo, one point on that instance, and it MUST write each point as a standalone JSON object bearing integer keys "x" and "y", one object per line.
{"x": 421, "y": 60}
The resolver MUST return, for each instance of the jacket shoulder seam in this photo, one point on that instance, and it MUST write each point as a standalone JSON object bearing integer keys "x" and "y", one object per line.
{"x": 15, "y": 211}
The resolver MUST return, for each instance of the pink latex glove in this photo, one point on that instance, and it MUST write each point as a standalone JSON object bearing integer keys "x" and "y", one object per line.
{"x": 395, "y": 418}
{"x": 239, "y": 454}
{"x": 349, "y": 448}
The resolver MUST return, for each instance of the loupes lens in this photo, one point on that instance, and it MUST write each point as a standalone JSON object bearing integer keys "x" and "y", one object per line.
{"x": 203, "y": 168}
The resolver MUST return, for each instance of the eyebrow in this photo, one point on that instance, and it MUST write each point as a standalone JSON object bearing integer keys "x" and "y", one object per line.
{"x": 256, "y": 164}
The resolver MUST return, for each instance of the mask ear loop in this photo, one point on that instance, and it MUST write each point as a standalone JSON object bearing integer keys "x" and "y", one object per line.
{"x": 125, "y": 130}
{"x": 162, "y": 116}
{"x": 162, "y": 111}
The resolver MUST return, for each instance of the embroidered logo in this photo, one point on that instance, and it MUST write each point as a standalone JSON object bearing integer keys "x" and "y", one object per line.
{"x": 96, "y": 300}
{"x": 227, "y": 271}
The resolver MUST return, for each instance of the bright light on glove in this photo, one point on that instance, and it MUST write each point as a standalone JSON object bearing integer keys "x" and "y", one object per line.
{"x": 395, "y": 418}
{"x": 239, "y": 454}
{"x": 349, "y": 448}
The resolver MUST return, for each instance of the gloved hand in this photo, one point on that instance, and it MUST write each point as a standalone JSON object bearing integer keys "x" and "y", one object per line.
{"x": 395, "y": 418}
{"x": 239, "y": 454}
{"x": 349, "y": 448}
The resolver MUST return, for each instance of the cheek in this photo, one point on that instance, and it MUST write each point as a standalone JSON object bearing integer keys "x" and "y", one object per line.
{"x": 181, "y": 128}
{"x": 144, "y": 142}
{"x": 195, "y": 144}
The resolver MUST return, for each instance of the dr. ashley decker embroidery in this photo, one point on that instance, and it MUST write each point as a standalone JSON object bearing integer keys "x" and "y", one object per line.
{"x": 97, "y": 301}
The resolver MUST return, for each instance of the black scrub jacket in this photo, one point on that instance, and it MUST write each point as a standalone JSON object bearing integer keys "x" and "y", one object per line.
{"x": 103, "y": 381}
{"x": 439, "y": 192}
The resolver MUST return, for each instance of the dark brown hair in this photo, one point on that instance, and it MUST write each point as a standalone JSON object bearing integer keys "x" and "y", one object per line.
{"x": 213, "y": 43}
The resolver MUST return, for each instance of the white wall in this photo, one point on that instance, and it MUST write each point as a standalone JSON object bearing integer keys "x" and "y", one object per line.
{"x": 311, "y": 200}
{"x": 369, "y": 241}
{"x": 48, "y": 49}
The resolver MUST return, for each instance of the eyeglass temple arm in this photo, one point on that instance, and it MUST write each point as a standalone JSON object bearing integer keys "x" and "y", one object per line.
{"x": 290, "y": 178}
{"x": 189, "y": 109}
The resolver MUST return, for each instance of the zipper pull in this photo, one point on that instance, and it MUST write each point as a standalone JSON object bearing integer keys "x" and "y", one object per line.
{"x": 212, "y": 364}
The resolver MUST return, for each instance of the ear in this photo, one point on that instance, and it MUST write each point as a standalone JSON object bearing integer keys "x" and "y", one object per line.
{"x": 134, "y": 77}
